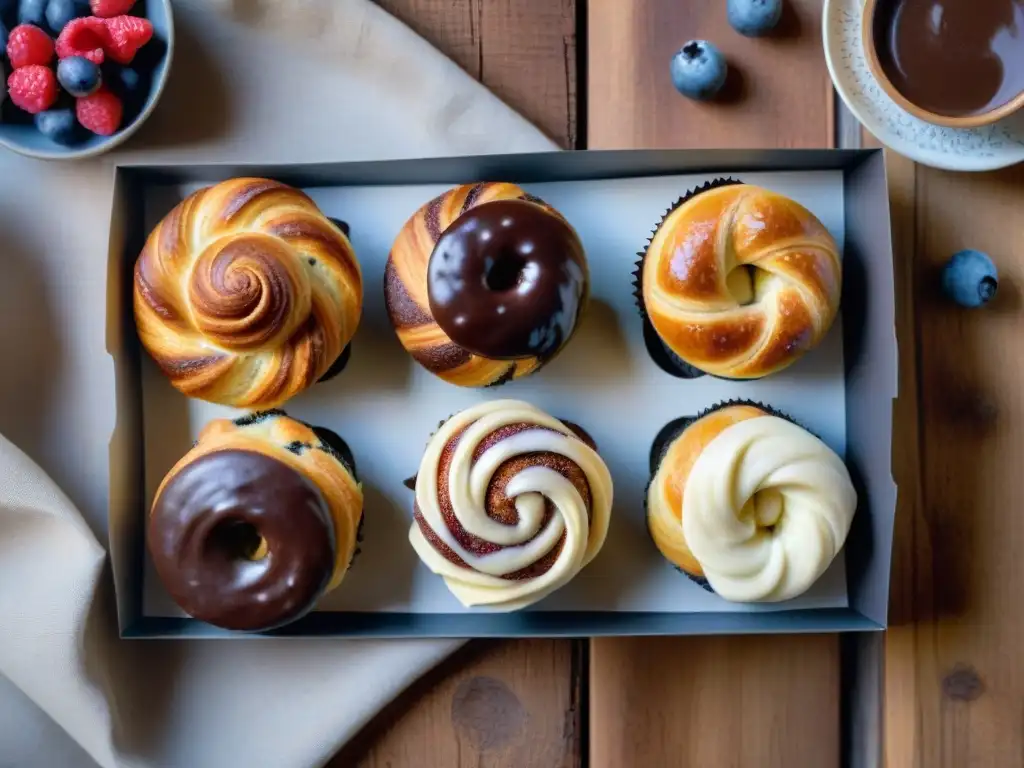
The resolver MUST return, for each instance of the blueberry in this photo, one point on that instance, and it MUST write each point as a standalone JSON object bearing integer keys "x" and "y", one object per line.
{"x": 78, "y": 76}
{"x": 698, "y": 70}
{"x": 32, "y": 12}
{"x": 753, "y": 17}
{"x": 970, "y": 278}
{"x": 4, "y": 32}
{"x": 8, "y": 11}
{"x": 60, "y": 12}
{"x": 59, "y": 125}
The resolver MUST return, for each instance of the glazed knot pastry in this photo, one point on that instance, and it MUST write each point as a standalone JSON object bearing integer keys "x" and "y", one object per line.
{"x": 750, "y": 504}
{"x": 246, "y": 294}
{"x": 485, "y": 284}
{"x": 739, "y": 282}
{"x": 510, "y": 504}
{"x": 256, "y": 522}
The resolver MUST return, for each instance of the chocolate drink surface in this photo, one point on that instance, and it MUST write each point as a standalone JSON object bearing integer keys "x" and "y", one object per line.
{"x": 954, "y": 58}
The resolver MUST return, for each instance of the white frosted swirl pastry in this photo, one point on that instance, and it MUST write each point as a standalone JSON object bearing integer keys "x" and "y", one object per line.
{"x": 750, "y": 504}
{"x": 511, "y": 504}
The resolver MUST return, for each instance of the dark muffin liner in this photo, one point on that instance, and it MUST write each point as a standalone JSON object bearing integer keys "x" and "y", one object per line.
{"x": 338, "y": 365}
{"x": 660, "y": 352}
{"x": 340, "y": 224}
{"x": 668, "y": 435}
{"x": 329, "y": 442}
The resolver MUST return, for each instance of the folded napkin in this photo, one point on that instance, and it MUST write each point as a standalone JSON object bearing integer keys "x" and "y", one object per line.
{"x": 260, "y": 81}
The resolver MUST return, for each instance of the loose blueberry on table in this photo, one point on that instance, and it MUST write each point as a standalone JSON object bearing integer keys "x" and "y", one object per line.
{"x": 698, "y": 70}
{"x": 753, "y": 17}
{"x": 85, "y": 49}
{"x": 970, "y": 278}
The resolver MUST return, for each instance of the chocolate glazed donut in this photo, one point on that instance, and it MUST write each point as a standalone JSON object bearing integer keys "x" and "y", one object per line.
{"x": 485, "y": 284}
{"x": 242, "y": 541}
{"x": 256, "y": 522}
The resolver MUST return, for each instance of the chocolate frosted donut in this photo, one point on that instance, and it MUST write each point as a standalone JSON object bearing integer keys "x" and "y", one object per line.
{"x": 256, "y": 522}
{"x": 510, "y": 504}
{"x": 485, "y": 284}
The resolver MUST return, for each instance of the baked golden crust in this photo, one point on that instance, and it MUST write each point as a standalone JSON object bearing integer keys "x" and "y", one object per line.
{"x": 407, "y": 297}
{"x": 664, "y": 520}
{"x": 740, "y": 281}
{"x": 246, "y": 294}
{"x": 298, "y": 447}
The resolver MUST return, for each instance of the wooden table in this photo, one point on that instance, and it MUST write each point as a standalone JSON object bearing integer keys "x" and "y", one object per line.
{"x": 949, "y": 671}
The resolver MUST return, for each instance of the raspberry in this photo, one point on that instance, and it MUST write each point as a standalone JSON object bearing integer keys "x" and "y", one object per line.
{"x": 33, "y": 88}
{"x": 109, "y": 8}
{"x": 28, "y": 45}
{"x": 100, "y": 113}
{"x": 126, "y": 34}
{"x": 85, "y": 37}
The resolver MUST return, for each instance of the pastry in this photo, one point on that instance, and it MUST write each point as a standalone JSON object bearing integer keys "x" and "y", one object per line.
{"x": 256, "y": 522}
{"x": 510, "y": 504}
{"x": 485, "y": 284}
{"x": 246, "y": 294}
{"x": 738, "y": 281}
{"x": 748, "y": 504}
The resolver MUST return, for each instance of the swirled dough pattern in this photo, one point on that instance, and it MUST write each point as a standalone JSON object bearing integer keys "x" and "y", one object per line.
{"x": 765, "y": 508}
{"x": 510, "y": 504}
{"x": 246, "y": 294}
{"x": 740, "y": 281}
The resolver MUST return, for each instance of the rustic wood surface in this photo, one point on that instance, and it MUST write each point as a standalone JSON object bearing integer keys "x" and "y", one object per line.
{"x": 494, "y": 705}
{"x": 523, "y": 50}
{"x": 709, "y": 701}
{"x": 511, "y": 704}
{"x": 778, "y": 93}
{"x": 954, "y": 690}
{"x": 954, "y": 697}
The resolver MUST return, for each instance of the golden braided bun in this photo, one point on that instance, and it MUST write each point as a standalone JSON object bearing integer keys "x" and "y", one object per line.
{"x": 255, "y": 523}
{"x": 485, "y": 284}
{"x": 246, "y": 294}
{"x": 740, "y": 282}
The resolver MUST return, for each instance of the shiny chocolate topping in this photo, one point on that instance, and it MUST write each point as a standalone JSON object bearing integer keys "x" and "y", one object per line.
{"x": 507, "y": 280}
{"x": 952, "y": 57}
{"x": 242, "y": 541}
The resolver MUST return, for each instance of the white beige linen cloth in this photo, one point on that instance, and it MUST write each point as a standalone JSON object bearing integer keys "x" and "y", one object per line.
{"x": 253, "y": 81}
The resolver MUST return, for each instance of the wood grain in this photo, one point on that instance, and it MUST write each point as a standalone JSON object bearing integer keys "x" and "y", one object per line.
{"x": 765, "y": 701}
{"x": 496, "y": 705}
{"x": 954, "y": 684}
{"x": 778, "y": 93}
{"x": 729, "y": 701}
{"x": 523, "y": 50}
{"x": 512, "y": 704}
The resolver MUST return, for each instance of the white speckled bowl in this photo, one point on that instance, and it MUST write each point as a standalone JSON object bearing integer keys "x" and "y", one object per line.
{"x": 984, "y": 148}
{"x": 24, "y": 139}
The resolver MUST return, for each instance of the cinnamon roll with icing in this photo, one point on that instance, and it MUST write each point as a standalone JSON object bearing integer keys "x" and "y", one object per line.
{"x": 748, "y": 504}
{"x": 246, "y": 294}
{"x": 511, "y": 504}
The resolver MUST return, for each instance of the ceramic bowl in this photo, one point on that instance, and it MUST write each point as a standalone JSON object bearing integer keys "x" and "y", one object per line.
{"x": 871, "y": 7}
{"x": 23, "y": 138}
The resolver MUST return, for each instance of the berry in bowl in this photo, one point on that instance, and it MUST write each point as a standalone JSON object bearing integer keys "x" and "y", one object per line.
{"x": 80, "y": 76}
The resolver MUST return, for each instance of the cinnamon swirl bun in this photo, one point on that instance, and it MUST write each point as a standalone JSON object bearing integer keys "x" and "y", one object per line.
{"x": 748, "y": 504}
{"x": 485, "y": 283}
{"x": 246, "y": 294}
{"x": 510, "y": 504}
